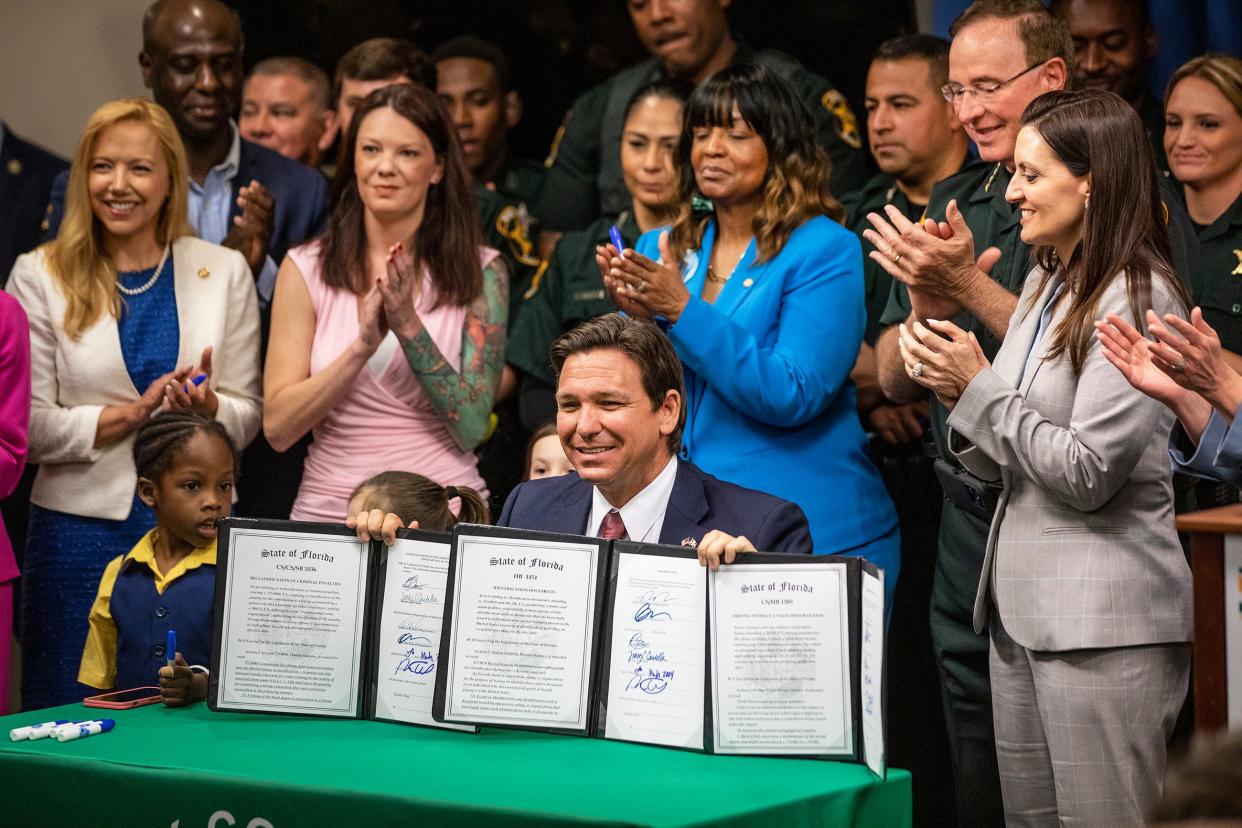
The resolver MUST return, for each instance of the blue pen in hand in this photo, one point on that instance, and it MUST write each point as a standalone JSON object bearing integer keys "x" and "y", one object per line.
{"x": 170, "y": 648}
{"x": 197, "y": 381}
{"x": 615, "y": 235}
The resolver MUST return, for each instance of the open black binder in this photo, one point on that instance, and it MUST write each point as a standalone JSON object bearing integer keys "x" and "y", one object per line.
{"x": 297, "y": 599}
{"x": 627, "y": 682}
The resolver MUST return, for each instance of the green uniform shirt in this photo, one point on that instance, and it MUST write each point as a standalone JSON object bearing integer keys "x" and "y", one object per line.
{"x": 1218, "y": 283}
{"x": 507, "y": 227}
{"x": 520, "y": 179}
{"x": 584, "y": 167}
{"x": 570, "y": 293}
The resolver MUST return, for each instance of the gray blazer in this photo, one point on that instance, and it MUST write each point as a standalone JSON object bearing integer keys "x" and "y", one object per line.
{"x": 1082, "y": 551}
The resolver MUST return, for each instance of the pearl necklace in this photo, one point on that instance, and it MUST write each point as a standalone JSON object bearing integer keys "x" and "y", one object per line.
{"x": 159, "y": 268}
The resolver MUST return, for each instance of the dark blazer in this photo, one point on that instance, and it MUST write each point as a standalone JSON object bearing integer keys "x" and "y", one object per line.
{"x": 698, "y": 504}
{"x": 301, "y": 196}
{"x": 26, "y": 175}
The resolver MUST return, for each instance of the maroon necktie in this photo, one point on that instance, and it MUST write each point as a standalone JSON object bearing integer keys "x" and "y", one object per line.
{"x": 611, "y": 527}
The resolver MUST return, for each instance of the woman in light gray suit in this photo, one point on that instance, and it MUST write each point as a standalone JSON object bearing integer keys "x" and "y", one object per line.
{"x": 1085, "y": 592}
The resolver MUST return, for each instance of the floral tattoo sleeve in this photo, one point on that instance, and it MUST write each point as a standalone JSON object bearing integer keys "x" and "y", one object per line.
{"x": 464, "y": 399}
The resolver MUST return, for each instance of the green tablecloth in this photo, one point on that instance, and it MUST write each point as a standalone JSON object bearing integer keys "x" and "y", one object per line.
{"x": 161, "y": 765}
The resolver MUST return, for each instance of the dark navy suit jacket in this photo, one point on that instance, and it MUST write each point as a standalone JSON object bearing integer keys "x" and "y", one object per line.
{"x": 698, "y": 504}
{"x": 300, "y": 193}
{"x": 26, "y": 175}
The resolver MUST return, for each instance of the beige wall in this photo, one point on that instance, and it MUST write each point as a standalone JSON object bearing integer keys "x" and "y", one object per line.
{"x": 59, "y": 59}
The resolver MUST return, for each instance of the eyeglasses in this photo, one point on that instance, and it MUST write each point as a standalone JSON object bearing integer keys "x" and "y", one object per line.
{"x": 982, "y": 92}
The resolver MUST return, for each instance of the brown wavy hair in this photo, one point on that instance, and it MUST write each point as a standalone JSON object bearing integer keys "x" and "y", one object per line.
{"x": 448, "y": 240}
{"x": 415, "y": 498}
{"x": 78, "y": 258}
{"x": 795, "y": 186}
{"x": 1126, "y": 228}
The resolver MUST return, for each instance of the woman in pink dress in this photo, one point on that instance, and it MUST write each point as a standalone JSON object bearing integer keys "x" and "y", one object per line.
{"x": 14, "y": 420}
{"x": 388, "y": 331}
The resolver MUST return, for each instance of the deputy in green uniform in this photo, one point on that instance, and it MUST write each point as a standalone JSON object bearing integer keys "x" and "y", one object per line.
{"x": 473, "y": 80}
{"x": 916, "y": 140}
{"x": 572, "y": 291}
{"x": 996, "y": 68}
{"x": 688, "y": 40}
{"x": 1114, "y": 42}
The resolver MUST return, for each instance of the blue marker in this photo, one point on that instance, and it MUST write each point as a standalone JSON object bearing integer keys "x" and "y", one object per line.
{"x": 615, "y": 234}
{"x": 199, "y": 379}
{"x": 79, "y": 730}
{"x": 43, "y": 729}
{"x": 170, "y": 648}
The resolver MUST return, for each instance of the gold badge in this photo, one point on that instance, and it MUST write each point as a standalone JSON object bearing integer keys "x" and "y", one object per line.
{"x": 748, "y": 283}
{"x": 513, "y": 223}
{"x": 1237, "y": 271}
{"x": 203, "y": 272}
{"x": 847, "y": 125}
{"x": 15, "y": 167}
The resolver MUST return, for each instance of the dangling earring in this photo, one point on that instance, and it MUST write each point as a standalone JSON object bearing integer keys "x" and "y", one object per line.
{"x": 1086, "y": 205}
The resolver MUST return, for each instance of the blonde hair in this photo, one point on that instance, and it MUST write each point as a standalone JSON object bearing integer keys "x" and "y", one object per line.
{"x": 1222, "y": 71}
{"x": 77, "y": 258}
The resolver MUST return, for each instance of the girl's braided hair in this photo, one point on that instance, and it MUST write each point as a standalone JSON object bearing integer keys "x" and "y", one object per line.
{"x": 158, "y": 438}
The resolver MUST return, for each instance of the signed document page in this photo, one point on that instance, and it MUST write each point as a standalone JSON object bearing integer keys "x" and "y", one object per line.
{"x": 872, "y": 671}
{"x": 655, "y": 679}
{"x": 409, "y": 631}
{"x": 294, "y": 604}
{"x": 780, "y": 659}
{"x": 522, "y": 636}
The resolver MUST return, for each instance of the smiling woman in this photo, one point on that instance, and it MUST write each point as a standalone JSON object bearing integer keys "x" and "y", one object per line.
{"x": 125, "y": 306}
{"x": 387, "y": 331}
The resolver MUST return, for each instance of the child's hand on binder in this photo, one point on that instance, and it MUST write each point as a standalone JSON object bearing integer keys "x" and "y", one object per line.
{"x": 717, "y": 545}
{"x": 376, "y": 525}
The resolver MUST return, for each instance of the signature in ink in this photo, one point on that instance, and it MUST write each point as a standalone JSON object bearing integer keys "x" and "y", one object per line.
{"x": 653, "y": 682}
{"x": 646, "y": 655}
{"x": 645, "y": 612}
{"x": 418, "y": 659}
{"x": 412, "y": 583}
{"x": 637, "y": 642}
{"x": 421, "y": 598}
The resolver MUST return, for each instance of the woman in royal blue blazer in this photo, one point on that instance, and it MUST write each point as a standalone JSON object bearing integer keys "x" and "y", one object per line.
{"x": 766, "y": 312}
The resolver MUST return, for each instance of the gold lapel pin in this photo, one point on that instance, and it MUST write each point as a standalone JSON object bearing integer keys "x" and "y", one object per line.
{"x": 204, "y": 272}
{"x": 748, "y": 282}
{"x": 15, "y": 166}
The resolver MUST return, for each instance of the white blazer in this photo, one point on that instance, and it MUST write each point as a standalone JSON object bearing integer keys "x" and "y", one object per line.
{"x": 72, "y": 380}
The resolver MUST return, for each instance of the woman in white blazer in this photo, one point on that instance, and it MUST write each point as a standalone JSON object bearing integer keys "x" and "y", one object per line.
{"x": 1085, "y": 592}
{"x": 129, "y": 313}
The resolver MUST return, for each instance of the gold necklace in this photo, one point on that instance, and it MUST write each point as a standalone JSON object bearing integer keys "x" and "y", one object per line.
{"x": 720, "y": 280}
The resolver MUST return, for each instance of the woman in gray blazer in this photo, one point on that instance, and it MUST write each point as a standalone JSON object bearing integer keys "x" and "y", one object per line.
{"x": 1085, "y": 593}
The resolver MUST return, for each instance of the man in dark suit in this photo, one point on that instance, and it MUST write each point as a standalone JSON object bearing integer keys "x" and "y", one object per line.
{"x": 26, "y": 174}
{"x": 620, "y": 413}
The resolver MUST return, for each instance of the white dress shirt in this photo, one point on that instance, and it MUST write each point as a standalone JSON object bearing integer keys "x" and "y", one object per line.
{"x": 643, "y": 516}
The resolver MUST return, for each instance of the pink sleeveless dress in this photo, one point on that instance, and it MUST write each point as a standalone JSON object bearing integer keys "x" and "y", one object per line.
{"x": 385, "y": 422}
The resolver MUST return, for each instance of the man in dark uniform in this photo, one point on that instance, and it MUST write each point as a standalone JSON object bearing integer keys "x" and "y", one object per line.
{"x": 26, "y": 176}
{"x": 995, "y": 70}
{"x": 473, "y": 80}
{"x": 916, "y": 140}
{"x": 1114, "y": 40}
{"x": 687, "y": 39}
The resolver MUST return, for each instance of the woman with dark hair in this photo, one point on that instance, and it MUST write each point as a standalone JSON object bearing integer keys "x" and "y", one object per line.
{"x": 762, "y": 298}
{"x": 387, "y": 331}
{"x": 1084, "y": 591}
{"x": 571, "y": 291}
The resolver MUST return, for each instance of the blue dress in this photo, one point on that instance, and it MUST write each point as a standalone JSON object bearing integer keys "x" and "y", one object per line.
{"x": 769, "y": 401}
{"x": 66, "y": 554}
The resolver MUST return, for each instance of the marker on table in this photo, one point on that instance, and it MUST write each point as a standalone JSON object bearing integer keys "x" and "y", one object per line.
{"x": 44, "y": 729}
{"x": 614, "y": 233}
{"x": 79, "y": 730}
{"x": 170, "y": 648}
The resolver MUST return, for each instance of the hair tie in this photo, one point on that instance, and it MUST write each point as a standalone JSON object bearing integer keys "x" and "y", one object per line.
{"x": 451, "y": 492}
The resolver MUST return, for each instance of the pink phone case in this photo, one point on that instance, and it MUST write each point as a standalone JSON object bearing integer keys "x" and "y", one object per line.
{"x": 102, "y": 699}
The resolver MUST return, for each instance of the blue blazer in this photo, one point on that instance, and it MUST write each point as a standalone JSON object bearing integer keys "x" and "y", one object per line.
{"x": 698, "y": 504}
{"x": 300, "y": 193}
{"x": 26, "y": 176}
{"x": 770, "y": 403}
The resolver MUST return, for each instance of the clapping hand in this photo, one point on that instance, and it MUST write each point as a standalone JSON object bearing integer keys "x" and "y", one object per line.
{"x": 252, "y": 227}
{"x": 640, "y": 286}
{"x": 189, "y": 394}
{"x": 942, "y": 357}
{"x": 1132, "y": 354}
{"x": 399, "y": 288}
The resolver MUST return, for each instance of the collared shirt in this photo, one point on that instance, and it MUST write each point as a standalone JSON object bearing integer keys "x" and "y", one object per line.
{"x": 98, "y": 667}
{"x": 1045, "y": 319}
{"x": 643, "y": 516}
{"x": 212, "y": 201}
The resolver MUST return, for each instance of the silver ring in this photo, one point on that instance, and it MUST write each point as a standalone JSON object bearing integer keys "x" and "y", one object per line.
{"x": 917, "y": 370}
{"x": 641, "y": 286}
